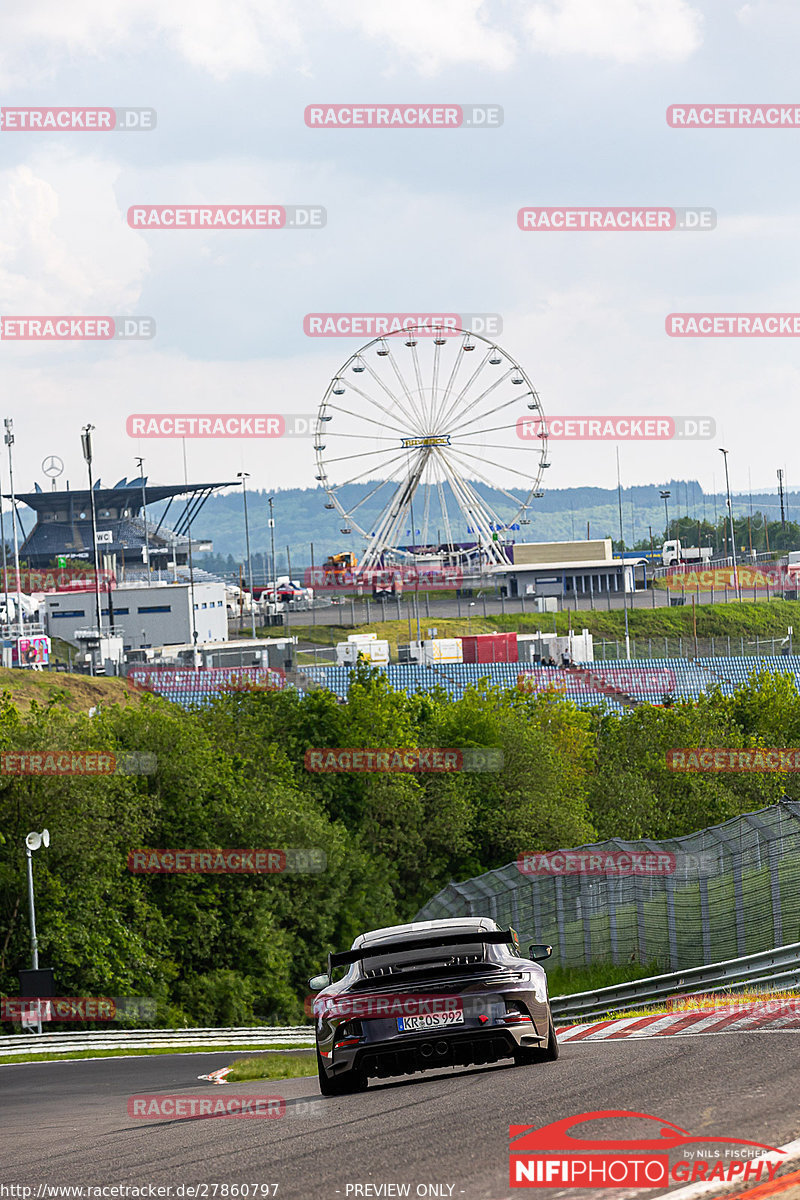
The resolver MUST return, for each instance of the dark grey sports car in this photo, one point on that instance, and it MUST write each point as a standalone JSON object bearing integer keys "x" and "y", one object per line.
{"x": 430, "y": 994}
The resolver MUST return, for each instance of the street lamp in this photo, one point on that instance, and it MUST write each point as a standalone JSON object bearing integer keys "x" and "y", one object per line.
{"x": 272, "y": 543}
{"x": 32, "y": 842}
{"x": 665, "y": 495}
{"x": 86, "y": 443}
{"x": 724, "y": 454}
{"x": 140, "y": 464}
{"x": 244, "y": 476}
{"x": 9, "y": 441}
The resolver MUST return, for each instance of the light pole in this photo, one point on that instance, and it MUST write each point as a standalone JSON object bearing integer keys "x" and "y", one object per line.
{"x": 624, "y": 568}
{"x": 5, "y": 562}
{"x": 86, "y": 443}
{"x": 272, "y": 543}
{"x": 32, "y": 842}
{"x": 244, "y": 476}
{"x": 9, "y": 441}
{"x": 724, "y": 454}
{"x": 140, "y": 463}
{"x": 665, "y": 495}
{"x": 191, "y": 561}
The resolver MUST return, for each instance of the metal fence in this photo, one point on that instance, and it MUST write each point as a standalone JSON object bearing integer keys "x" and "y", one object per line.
{"x": 773, "y": 970}
{"x": 132, "y": 1040}
{"x": 690, "y": 647}
{"x": 734, "y": 890}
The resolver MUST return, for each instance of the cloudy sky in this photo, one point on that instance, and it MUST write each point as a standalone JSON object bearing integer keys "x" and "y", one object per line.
{"x": 417, "y": 220}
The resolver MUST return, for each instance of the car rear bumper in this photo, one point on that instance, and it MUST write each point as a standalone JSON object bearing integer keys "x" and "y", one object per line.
{"x": 426, "y": 1051}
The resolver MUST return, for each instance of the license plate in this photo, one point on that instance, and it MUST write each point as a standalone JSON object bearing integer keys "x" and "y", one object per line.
{"x": 439, "y": 1020}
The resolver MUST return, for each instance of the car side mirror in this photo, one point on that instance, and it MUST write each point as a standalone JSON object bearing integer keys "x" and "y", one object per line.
{"x": 318, "y": 982}
{"x": 537, "y": 952}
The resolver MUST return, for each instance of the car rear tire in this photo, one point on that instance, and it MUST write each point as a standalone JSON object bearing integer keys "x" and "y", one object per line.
{"x": 342, "y": 1085}
{"x": 546, "y": 1053}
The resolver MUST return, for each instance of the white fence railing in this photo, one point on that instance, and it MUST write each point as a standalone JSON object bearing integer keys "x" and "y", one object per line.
{"x": 296, "y": 1036}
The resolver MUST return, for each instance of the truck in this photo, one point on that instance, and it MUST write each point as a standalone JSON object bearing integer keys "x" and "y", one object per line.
{"x": 674, "y": 552}
{"x": 341, "y": 570}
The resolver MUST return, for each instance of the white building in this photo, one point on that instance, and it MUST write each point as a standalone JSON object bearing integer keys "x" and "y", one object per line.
{"x": 155, "y": 614}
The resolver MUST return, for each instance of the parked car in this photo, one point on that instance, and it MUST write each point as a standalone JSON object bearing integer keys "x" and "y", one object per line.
{"x": 430, "y": 994}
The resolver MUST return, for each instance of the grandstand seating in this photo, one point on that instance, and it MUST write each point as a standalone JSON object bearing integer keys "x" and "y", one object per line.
{"x": 644, "y": 681}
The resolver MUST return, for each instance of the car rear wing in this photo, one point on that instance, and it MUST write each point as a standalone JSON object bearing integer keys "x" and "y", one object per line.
{"x": 495, "y": 937}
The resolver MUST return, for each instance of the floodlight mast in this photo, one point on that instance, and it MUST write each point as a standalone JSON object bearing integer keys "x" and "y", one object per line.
{"x": 86, "y": 443}
{"x": 9, "y": 441}
{"x": 140, "y": 462}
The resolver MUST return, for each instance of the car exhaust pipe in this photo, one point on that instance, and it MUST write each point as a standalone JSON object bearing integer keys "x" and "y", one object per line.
{"x": 441, "y": 1049}
{"x": 426, "y": 1050}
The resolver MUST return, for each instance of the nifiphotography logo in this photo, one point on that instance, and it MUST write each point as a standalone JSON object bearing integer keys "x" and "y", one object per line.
{"x": 554, "y": 1157}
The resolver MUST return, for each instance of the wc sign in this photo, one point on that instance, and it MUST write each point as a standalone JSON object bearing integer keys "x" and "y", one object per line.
{"x": 104, "y": 537}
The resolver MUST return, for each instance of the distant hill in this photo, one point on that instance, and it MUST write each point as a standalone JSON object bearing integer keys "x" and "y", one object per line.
{"x": 301, "y": 518}
{"x": 562, "y": 514}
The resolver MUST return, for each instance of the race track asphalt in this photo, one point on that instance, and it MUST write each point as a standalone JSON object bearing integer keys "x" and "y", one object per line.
{"x": 68, "y": 1123}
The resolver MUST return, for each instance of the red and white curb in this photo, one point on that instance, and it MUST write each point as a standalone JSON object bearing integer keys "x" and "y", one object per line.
{"x": 679, "y": 1024}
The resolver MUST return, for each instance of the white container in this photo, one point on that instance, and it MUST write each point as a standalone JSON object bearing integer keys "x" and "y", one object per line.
{"x": 370, "y": 648}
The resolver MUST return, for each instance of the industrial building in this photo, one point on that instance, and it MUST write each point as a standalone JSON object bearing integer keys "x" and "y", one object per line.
{"x": 569, "y": 570}
{"x": 155, "y": 614}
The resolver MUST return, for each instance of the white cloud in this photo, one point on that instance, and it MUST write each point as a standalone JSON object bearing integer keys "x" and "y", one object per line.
{"x": 64, "y": 246}
{"x": 626, "y": 31}
{"x": 432, "y": 35}
{"x": 222, "y": 37}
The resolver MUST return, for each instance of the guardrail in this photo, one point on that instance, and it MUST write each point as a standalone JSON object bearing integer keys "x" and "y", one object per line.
{"x": 771, "y": 969}
{"x": 298, "y": 1036}
{"x": 778, "y": 968}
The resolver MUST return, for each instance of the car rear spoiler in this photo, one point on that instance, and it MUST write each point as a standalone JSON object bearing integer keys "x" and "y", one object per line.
{"x": 495, "y": 937}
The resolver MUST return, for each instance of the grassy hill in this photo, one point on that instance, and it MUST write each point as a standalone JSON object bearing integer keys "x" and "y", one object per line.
{"x": 79, "y": 692}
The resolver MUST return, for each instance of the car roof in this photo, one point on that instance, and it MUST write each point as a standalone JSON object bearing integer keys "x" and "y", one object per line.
{"x": 419, "y": 929}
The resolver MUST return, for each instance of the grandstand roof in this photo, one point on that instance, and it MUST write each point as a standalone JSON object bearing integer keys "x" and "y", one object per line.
{"x": 126, "y": 493}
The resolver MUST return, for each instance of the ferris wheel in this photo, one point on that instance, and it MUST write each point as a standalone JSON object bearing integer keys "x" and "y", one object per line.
{"x": 431, "y": 421}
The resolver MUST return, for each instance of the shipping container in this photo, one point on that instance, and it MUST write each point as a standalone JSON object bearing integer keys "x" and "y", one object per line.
{"x": 490, "y": 648}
